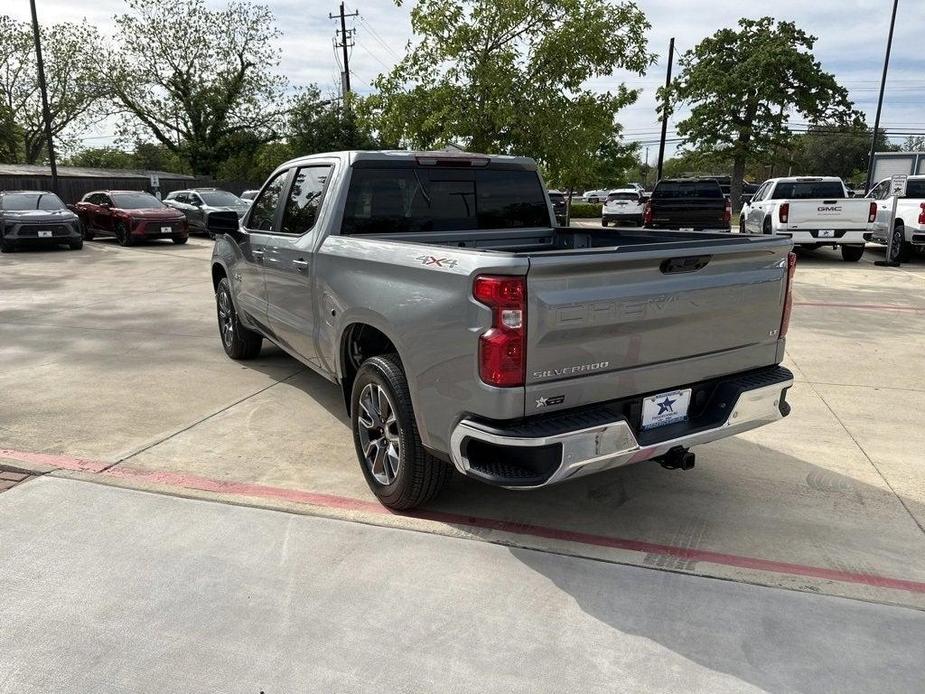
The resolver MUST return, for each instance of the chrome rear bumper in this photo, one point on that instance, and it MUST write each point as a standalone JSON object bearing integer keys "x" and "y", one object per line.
{"x": 611, "y": 444}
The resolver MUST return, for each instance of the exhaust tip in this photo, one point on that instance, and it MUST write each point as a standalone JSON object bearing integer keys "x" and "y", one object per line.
{"x": 678, "y": 459}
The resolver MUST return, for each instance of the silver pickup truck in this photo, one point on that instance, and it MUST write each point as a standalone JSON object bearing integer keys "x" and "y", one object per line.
{"x": 466, "y": 330}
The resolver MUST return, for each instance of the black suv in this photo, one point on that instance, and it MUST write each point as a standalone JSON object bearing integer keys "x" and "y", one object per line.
{"x": 36, "y": 216}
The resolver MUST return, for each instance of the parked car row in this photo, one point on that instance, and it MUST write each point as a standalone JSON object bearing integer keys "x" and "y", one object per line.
{"x": 130, "y": 216}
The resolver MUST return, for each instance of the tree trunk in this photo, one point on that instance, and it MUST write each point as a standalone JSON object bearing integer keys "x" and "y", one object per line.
{"x": 735, "y": 187}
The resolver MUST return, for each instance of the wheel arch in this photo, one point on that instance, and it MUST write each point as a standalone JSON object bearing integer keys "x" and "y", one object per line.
{"x": 360, "y": 340}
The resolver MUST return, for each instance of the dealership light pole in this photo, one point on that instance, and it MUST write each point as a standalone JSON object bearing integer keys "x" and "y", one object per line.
{"x": 886, "y": 65}
{"x": 661, "y": 142}
{"x": 46, "y": 114}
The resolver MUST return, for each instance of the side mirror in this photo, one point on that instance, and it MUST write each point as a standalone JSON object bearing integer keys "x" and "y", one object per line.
{"x": 196, "y": 203}
{"x": 223, "y": 222}
{"x": 105, "y": 205}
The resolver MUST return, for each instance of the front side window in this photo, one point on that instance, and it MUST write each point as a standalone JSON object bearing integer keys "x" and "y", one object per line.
{"x": 304, "y": 199}
{"x": 31, "y": 201}
{"x": 396, "y": 200}
{"x": 219, "y": 198}
{"x": 263, "y": 211}
{"x": 135, "y": 201}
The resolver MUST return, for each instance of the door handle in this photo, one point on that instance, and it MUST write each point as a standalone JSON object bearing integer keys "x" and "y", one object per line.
{"x": 258, "y": 255}
{"x": 300, "y": 263}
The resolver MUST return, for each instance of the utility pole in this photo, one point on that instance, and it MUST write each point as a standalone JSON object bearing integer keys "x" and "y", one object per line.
{"x": 46, "y": 113}
{"x": 886, "y": 65}
{"x": 345, "y": 43}
{"x": 661, "y": 142}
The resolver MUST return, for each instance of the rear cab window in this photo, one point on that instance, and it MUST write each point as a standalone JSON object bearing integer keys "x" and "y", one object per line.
{"x": 421, "y": 198}
{"x": 807, "y": 190}
{"x": 687, "y": 189}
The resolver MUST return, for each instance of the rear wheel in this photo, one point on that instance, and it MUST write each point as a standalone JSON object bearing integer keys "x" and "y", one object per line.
{"x": 399, "y": 471}
{"x": 180, "y": 240}
{"x": 741, "y": 225}
{"x": 76, "y": 245}
{"x": 852, "y": 254}
{"x": 603, "y": 222}
{"x": 238, "y": 341}
{"x": 766, "y": 227}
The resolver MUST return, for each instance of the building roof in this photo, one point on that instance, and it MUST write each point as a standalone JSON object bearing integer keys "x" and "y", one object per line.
{"x": 81, "y": 172}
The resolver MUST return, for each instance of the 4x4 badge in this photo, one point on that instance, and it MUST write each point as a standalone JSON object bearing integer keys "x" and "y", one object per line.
{"x": 550, "y": 401}
{"x": 439, "y": 262}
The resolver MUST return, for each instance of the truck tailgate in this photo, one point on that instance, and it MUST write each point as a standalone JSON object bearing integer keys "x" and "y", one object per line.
{"x": 610, "y": 324}
{"x": 689, "y": 212}
{"x": 843, "y": 213}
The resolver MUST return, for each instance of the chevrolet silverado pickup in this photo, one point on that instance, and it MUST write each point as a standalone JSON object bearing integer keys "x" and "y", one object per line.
{"x": 466, "y": 331}
{"x": 814, "y": 211}
{"x": 909, "y": 225}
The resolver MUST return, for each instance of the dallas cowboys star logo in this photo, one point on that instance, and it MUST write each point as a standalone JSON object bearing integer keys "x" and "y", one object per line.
{"x": 666, "y": 405}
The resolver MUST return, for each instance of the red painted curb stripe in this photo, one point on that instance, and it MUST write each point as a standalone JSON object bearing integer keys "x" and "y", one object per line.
{"x": 185, "y": 481}
{"x": 872, "y": 307}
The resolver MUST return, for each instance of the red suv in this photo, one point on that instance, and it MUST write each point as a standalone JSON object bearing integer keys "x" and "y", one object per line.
{"x": 130, "y": 216}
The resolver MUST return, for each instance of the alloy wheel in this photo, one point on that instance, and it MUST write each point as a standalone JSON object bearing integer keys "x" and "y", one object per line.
{"x": 899, "y": 237}
{"x": 380, "y": 434}
{"x": 226, "y": 318}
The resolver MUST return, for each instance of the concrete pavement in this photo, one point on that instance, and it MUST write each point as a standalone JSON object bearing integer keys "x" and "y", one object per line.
{"x": 113, "y": 590}
{"x": 111, "y": 355}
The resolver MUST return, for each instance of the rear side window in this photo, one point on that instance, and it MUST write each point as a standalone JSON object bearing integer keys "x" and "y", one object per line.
{"x": 395, "y": 200}
{"x": 263, "y": 211}
{"x": 687, "y": 189}
{"x": 807, "y": 190}
{"x": 305, "y": 199}
{"x": 915, "y": 189}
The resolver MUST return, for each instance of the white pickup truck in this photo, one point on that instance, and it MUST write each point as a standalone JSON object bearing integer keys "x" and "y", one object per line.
{"x": 909, "y": 229}
{"x": 814, "y": 211}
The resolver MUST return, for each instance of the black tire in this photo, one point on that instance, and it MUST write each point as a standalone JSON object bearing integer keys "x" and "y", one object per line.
{"x": 766, "y": 227}
{"x": 238, "y": 342}
{"x": 76, "y": 245}
{"x": 603, "y": 222}
{"x": 123, "y": 236}
{"x": 741, "y": 225}
{"x": 419, "y": 476}
{"x": 85, "y": 232}
{"x": 852, "y": 254}
{"x": 6, "y": 246}
{"x": 900, "y": 247}
{"x": 180, "y": 240}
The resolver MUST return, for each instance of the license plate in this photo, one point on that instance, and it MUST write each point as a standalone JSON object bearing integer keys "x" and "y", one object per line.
{"x": 44, "y": 234}
{"x": 166, "y": 230}
{"x": 826, "y": 233}
{"x": 686, "y": 229}
{"x": 665, "y": 408}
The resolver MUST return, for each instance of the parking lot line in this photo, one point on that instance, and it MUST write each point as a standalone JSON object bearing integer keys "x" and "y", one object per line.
{"x": 181, "y": 481}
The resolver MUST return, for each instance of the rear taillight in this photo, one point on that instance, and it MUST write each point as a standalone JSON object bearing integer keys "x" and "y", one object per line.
{"x": 647, "y": 213}
{"x": 727, "y": 212}
{"x": 872, "y": 213}
{"x": 922, "y": 213}
{"x": 502, "y": 348}
{"x": 788, "y": 297}
{"x": 783, "y": 212}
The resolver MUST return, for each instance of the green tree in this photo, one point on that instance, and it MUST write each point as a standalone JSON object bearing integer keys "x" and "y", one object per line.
{"x": 837, "y": 150}
{"x": 328, "y": 125}
{"x": 511, "y": 77}
{"x": 744, "y": 85}
{"x": 196, "y": 79}
{"x": 71, "y": 53}
{"x": 146, "y": 156}
{"x": 912, "y": 143}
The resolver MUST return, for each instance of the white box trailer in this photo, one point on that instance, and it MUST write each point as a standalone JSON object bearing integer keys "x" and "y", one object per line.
{"x": 888, "y": 164}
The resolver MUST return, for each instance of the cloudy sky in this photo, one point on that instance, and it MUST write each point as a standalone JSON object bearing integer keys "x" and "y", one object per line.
{"x": 852, "y": 37}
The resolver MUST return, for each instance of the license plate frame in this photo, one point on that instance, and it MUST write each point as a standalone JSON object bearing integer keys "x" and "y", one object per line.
{"x": 166, "y": 230}
{"x": 827, "y": 233}
{"x": 45, "y": 234}
{"x": 686, "y": 229}
{"x": 666, "y": 408}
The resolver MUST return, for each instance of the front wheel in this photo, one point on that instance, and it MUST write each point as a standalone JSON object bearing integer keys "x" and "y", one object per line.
{"x": 180, "y": 240}
{"x": 899, "y": 251}
{"x": 397, "y": 468}
{"x": 85, "y": 232}
{"x": 852, "y": 254}
{"x": 603, "y": 222}
{"x": 123, "y": 236}
{"x": 238, "y": 341}
{"x": 76, "y": 245}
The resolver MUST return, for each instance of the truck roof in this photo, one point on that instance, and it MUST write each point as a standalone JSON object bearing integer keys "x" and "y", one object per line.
{"x": 805, "y": 179}
{"x": 425, "y": 157}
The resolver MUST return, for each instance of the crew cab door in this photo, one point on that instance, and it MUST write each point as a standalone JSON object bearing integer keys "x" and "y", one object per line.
{"x": 755, "y": 214}
{"x": 262, "y": 220}
{"x": 881, "y": 194}
{"x": 195, "y": 212}
{"x": 289, "y": 258}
